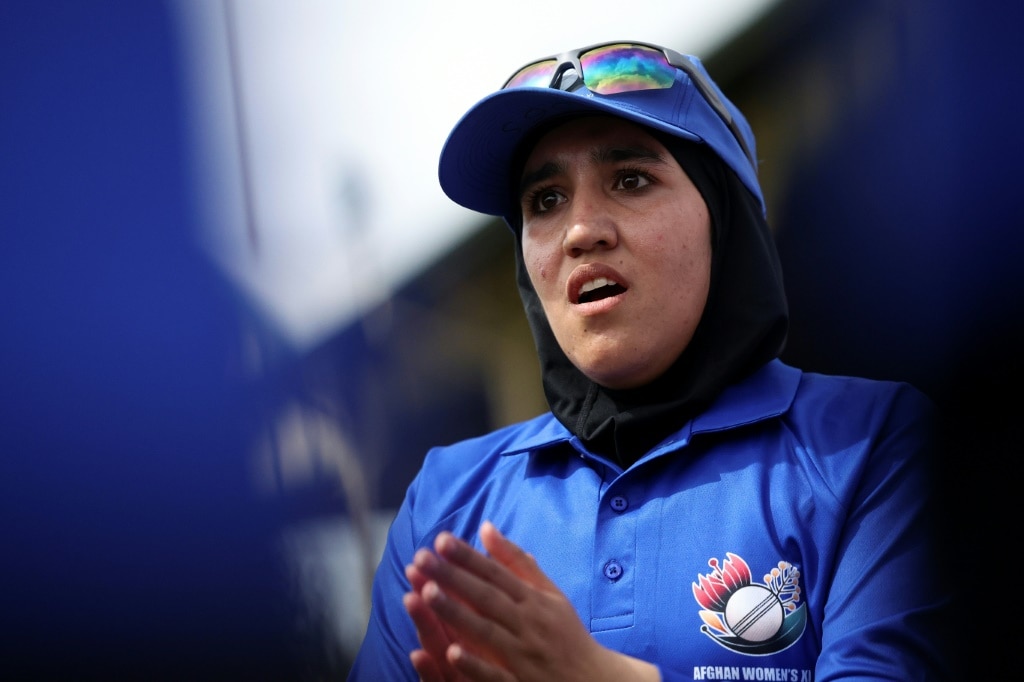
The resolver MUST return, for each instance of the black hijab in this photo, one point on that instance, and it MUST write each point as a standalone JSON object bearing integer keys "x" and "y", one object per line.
{"x": 744, "y": 325}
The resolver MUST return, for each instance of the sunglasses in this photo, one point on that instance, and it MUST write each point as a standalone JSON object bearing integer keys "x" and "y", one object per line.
{"x": 614, "y": 68}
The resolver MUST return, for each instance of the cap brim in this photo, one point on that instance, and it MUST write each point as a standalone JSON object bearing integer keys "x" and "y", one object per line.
{"x": 477, "y": 156}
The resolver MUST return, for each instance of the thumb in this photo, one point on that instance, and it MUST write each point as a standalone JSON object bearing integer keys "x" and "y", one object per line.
{"x": 513, "y": 557}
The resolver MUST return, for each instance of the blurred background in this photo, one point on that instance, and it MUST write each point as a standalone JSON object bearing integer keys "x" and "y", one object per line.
{"x": 237, "y": 309}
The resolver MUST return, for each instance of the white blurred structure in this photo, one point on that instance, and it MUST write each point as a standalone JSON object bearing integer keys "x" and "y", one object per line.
{"x": 319, "y": 124}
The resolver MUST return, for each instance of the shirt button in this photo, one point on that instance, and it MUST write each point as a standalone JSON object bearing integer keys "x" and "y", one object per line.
{"x": 612, "y": 570}
{"x": 619, "y": 503}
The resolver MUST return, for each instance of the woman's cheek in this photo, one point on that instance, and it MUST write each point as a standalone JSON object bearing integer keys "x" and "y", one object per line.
{"x": 536, "y": 264}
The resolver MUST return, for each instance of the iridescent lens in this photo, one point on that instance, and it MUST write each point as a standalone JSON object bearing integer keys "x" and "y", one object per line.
{"x": 624, "y": 68}
{"x": 536, "y": 75}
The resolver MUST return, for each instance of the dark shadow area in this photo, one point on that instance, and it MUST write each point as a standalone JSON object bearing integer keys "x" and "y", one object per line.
{"x": 902, "y": 240}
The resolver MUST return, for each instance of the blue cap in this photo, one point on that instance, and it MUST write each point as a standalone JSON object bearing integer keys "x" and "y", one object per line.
{"x": 477, "y": 157}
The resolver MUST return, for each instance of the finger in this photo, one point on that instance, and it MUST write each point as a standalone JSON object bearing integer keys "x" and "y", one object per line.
{"x": 416, "y": 577}
{"x": 483, "y": 634}
{"x": 429, "y": 629}
{"x": 459, "y": 553}
{"x": 484, "y": 597}
{"x": 476, "y": 668}
{"x": 512, "y": 556}
{"x": 426, "y": 667}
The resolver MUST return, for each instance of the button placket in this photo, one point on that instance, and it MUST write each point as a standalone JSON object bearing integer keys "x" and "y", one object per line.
{"x": 614, "y": 596}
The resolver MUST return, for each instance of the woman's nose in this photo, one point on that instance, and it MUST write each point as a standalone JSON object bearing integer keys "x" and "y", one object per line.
{"x": 589, "y": 227}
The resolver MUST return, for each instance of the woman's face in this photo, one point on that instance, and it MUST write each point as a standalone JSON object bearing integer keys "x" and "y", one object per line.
{"x": 617, "y": 243}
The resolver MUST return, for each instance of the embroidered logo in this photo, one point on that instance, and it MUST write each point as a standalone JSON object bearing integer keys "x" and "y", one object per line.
{"x": 750, "y": 618}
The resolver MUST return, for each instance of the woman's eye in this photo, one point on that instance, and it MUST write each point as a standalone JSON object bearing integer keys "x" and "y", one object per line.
{"x": 632, "y": 181}
{"x": 545, "y": 200}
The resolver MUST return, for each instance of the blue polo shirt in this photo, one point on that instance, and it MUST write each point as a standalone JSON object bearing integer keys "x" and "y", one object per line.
{"x": 783, "y": 534}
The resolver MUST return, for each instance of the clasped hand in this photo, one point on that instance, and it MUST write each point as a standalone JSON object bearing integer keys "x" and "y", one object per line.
{"x": 499, "y": 617}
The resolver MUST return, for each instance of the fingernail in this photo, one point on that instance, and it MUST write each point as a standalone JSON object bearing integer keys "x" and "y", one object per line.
{"x": 432, "y": 592}
{"x": 446, "y": 544}
{"x": 425, "y": 560}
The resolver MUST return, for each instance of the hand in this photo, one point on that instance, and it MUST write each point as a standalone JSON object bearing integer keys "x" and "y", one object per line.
{"x": 500, "y": 618}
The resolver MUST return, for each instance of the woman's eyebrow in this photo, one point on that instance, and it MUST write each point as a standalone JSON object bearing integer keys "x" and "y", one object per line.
{"x": 619, "y": 153}
{"x": 547, "y": 170}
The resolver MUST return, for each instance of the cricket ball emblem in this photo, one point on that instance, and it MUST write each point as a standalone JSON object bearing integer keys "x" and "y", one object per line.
{"x": 751, "y": 618}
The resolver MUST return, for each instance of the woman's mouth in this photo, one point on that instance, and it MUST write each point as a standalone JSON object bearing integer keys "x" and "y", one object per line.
{"x": 599, "y": 288}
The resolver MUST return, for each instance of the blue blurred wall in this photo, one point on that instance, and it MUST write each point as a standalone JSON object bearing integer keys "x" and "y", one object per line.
{"x": 133, "y": 546}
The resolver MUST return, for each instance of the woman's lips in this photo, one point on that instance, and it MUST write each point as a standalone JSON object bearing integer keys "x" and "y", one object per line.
{"x": 594, "y": 283}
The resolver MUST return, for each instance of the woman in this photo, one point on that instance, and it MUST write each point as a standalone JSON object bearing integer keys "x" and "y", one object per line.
{"x": 691, "y": 507}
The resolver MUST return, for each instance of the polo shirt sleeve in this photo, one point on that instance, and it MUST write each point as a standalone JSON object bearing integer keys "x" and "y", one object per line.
{"x": 888, "y": 601}
{"x": 390, "y": 634}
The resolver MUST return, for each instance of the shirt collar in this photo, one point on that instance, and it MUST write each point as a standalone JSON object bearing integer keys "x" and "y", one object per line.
{"x": 765, "y": 394}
